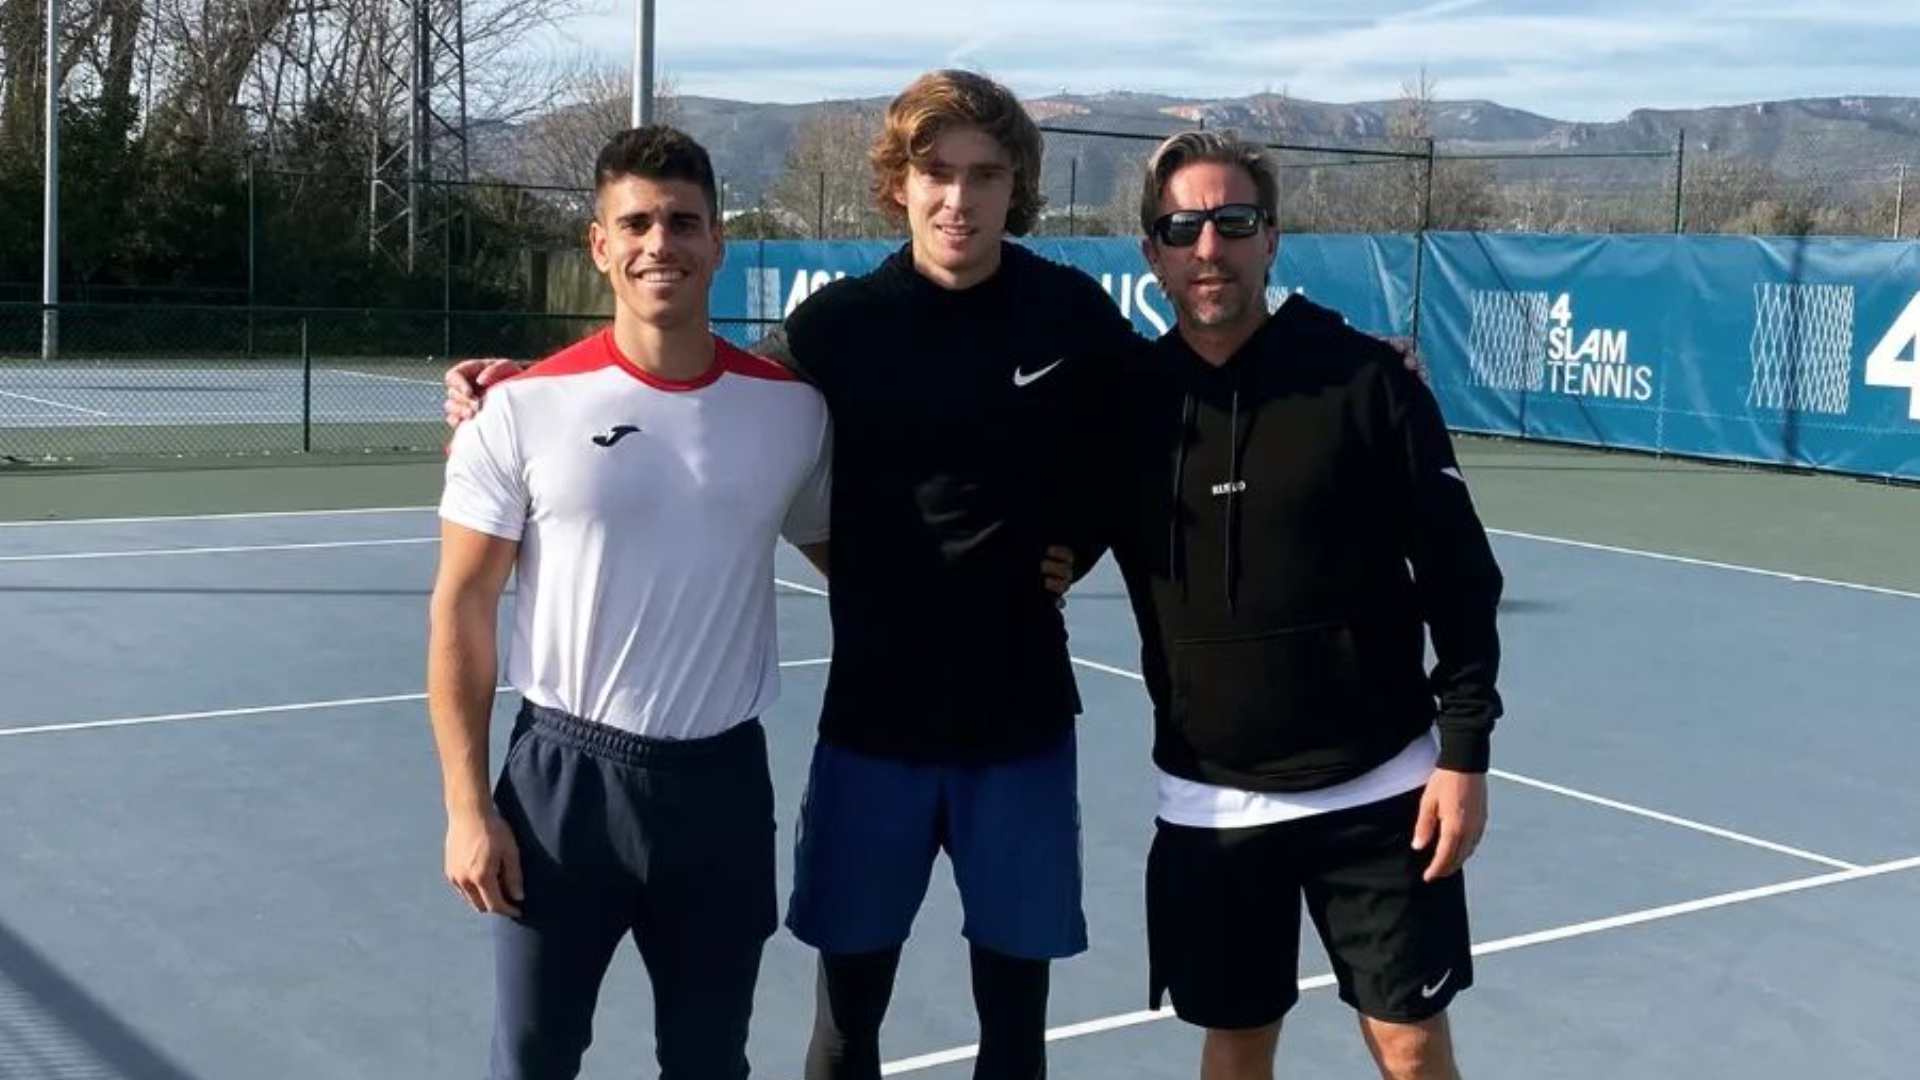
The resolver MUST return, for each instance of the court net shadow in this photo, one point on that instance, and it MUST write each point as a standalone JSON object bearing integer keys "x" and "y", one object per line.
{"x": 52, "y": 1029}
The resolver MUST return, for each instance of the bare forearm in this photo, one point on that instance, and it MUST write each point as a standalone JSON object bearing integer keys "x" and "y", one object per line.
{"x": 461, "y": 669}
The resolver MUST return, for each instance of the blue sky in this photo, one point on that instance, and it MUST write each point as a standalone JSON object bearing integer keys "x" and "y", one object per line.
{"x": 1570, "y": 60}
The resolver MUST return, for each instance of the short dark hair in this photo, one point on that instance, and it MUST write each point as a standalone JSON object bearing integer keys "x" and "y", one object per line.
{"x": 656, "y": 152}
{"x": 939, "y": 101}
{"x": 1220, "y": 148}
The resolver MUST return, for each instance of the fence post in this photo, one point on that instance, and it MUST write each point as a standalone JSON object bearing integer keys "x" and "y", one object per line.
{"x": 50, "y": 197}
{"x": 1680, "y": 182}
{"x": 306, "y": 390}
{"x": 250, "y": 254}
{"x": 1900, "y": 202}
{"x": 1073, "y": 190}
{"x": 1426, "y": 199}
{"x": 1420, "y": 247}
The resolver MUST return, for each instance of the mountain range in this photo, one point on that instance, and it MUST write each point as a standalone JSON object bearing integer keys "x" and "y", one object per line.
{"x": 1864, "y": 138}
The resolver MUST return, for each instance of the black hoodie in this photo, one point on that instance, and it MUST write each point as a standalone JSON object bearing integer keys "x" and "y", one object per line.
{"x": 1298, "y": 522}
{"x": 964, "y": 428}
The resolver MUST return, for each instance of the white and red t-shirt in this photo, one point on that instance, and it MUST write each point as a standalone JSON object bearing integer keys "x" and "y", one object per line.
{"x": 647, "y": 512}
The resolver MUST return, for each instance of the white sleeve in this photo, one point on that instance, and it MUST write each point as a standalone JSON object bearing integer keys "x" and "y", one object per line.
{"x": 809, "y": 512}
{"x": 486, "y": 487}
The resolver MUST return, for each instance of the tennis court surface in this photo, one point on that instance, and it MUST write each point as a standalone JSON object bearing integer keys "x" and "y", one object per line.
{"x": 222, "y": 833}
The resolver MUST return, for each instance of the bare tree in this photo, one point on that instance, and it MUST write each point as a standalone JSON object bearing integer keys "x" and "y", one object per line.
{"x": 23, "y": 64}
{"x": 1120, "y": 215}
{"x": 1461, "y": 191}
{"x": 595, "y": 102}
{"x": 222, "y": 73}
{"x": 209, "y": 48}
{"x": 826, "y": 181}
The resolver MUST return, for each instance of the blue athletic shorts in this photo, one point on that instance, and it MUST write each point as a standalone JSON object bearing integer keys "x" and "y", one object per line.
{"x": 870, "y": 827}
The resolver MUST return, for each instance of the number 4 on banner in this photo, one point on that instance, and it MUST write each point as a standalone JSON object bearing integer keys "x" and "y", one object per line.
{"x": 1886, "y": 368}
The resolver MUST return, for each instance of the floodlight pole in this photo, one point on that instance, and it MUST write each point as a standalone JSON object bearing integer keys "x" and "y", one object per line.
{"x": 642, "y": 112}
{"x": 50, "y": 216}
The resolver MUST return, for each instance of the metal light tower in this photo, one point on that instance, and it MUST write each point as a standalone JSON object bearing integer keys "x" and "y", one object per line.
{"x": 420, "y": 48}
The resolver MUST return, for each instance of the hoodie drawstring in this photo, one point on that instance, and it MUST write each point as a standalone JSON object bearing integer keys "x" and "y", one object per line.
{"x": 1175, "y": 564}
{"x": 1230, "y": 571}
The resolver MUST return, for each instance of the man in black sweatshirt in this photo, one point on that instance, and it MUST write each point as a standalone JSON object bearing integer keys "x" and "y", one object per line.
{"x": 964, "y": 375}
{"x": 1294, "y": 525}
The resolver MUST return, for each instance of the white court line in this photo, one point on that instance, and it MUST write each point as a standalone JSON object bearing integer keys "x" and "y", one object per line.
{"x": 384, "y": 378}
{"x": 265, "y": 710}
{"x": 1598, "y": 800}
{"x": 55, "y": 404}
{"x": 1508, "y": 944}
{"x": 217, "y": 714}
{"x": 1122, "y": 672}
{"x": 1684, "y": 560}
{"x": 810, "y": 590}
{"x": 1696, "y": 826}
{"x": 1536, "y": 537}
{"x": 220, "y": 517}
{"x": 67, "y": 556}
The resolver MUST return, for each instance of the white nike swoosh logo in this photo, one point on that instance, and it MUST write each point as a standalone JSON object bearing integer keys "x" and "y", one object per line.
{"x": 1453, "y": 472}
{"x": 1429, "y": 991}
{"x": 1021, "y": 378}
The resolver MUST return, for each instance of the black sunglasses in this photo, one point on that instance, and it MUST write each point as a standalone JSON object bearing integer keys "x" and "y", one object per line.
{"x": 1236, "y": 221}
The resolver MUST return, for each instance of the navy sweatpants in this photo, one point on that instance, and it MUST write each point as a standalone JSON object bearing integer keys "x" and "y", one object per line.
{"x": 669, "y": 841}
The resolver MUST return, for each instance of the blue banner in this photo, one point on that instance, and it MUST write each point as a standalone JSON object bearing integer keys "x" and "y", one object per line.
{"x": 1782, "y": 351}
{"x": 1367, "y": 278}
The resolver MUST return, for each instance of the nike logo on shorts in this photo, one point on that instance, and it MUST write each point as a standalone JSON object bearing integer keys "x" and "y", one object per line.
{"x": 1021, "y": 378}
{"x": 1429, "y": 991}
{"x": 619, "y": 432}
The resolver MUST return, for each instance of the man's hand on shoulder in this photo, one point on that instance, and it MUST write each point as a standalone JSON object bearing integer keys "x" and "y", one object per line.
{"x": 467, "y": 383}
{"x": 1409, "y": 350}
{"x": 774, "y": 347}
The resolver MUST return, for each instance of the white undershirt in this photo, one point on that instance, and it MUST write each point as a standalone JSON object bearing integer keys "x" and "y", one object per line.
{"x": 1210, "y": 806}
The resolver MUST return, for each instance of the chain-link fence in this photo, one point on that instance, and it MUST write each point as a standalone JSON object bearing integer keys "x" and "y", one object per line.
{"x": 312, "y": 239}
{"x": 1835, "y": 197}
{"x": 1380, "y": 184}
{"x": 81, "y": 381}
{"x": 318, "y": 315}
{"x": 1383, "y": 184}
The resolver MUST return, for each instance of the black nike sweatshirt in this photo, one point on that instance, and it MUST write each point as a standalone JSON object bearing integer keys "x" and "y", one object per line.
{"x": 964, "y": 428}
{"x": 1295, "y": 525}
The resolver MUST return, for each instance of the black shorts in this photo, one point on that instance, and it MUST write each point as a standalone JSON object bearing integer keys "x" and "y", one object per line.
{"x": 1223, "y": 917}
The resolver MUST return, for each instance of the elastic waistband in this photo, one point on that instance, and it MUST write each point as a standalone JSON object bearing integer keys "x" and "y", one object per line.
{"x": 614, "y": 744}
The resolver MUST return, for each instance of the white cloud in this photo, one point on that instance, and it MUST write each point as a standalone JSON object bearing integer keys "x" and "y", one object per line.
{"x": 1583, "y": 62}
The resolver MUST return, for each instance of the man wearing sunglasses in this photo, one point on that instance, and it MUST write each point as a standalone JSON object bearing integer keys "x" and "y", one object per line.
{"x": 1294, "y": 522}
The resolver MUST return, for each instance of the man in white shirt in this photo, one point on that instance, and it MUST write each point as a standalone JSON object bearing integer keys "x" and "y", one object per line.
{"x": 638, "y": 481}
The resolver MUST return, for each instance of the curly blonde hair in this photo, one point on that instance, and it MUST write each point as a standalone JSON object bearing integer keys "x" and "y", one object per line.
{"x": 942, "y": 100}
